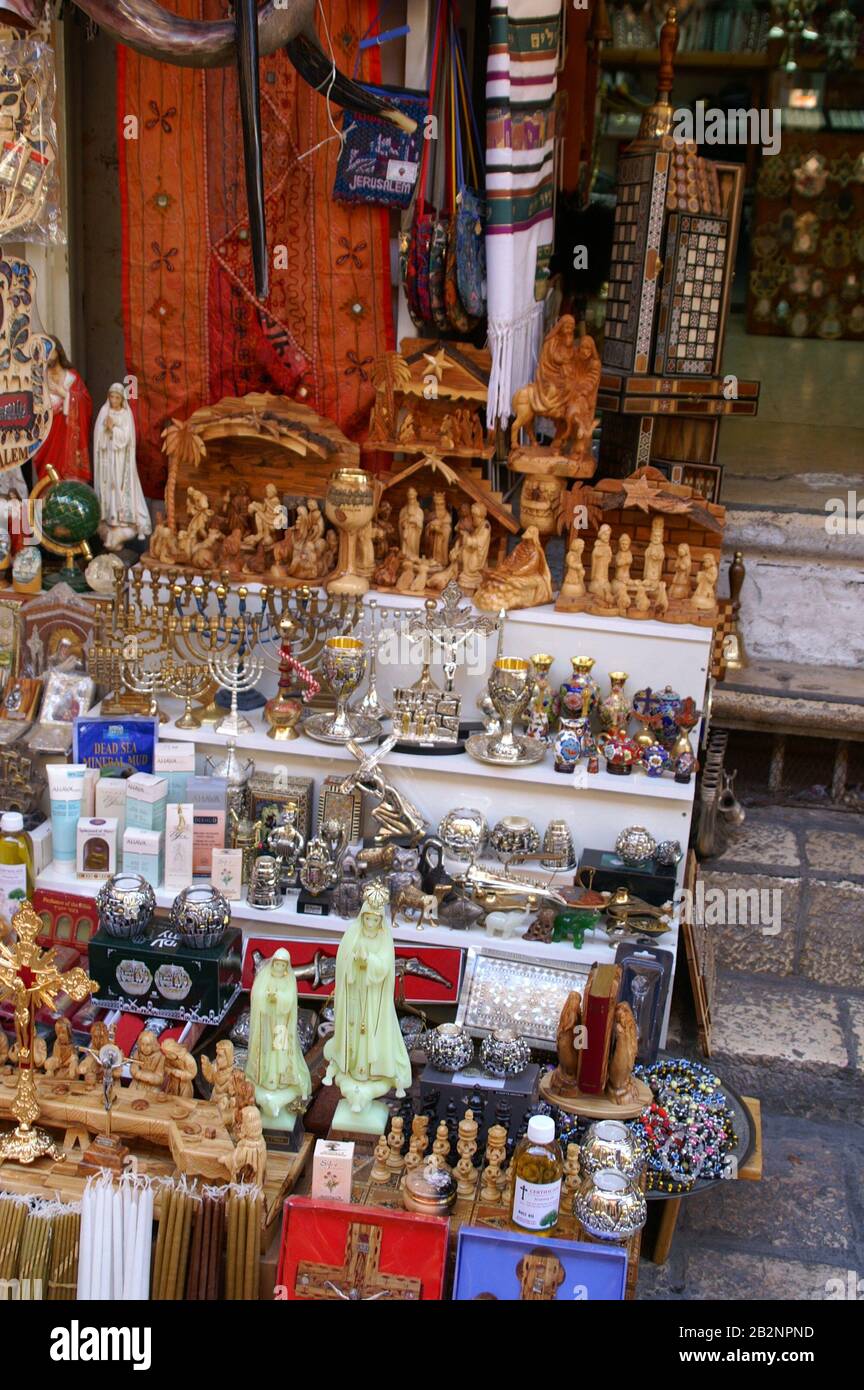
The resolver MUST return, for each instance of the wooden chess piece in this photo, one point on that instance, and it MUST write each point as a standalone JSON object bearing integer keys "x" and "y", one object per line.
{"x": 380, "y": 1171}
{"x": 496, "y": 1153}
{"x": 571, "y": 1171}
{"x": 413, "y": 1158}
{"x": 420, "y": 1131}
{"x": 441, "y": 1146}
{"x": 466, "y": 1146}
{"x": 396, "y": 1143}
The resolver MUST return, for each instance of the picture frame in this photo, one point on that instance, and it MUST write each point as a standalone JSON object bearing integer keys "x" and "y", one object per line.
{"x": 339, "y": 1253}
{"x": 20, "y": 699}
{"x": 346, "y": 807}
{"x": 511, "y": 1266}
{"x": 68, "y": 694}
{"x": 501, "y": 989}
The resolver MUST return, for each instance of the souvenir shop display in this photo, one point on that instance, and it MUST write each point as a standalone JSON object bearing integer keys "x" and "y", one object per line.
{"x": 342, "y": 836}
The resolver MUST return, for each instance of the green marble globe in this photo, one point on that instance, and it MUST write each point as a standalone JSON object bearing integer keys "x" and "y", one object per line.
{"x": 70, "y": 513}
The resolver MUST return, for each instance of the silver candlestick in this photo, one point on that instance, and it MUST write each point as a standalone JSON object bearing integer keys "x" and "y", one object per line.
{"x": 372, "y": 704}
{"x": 235, "y": 674}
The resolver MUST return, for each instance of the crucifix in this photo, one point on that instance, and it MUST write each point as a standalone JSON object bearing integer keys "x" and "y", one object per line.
{"x": 359, "y": 1279}
{"x": 30, "y": 977}
{"x": 449, "y": 627}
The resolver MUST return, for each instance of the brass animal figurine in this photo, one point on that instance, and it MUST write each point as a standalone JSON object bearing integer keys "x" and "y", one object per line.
{"x": 410, "y": 900}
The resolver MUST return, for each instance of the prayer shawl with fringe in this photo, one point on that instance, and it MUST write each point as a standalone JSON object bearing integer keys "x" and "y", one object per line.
{"x": 521, "y": 83}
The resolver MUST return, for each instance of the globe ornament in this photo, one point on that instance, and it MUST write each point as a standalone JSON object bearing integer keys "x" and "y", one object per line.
{"x": 67, "y": 517}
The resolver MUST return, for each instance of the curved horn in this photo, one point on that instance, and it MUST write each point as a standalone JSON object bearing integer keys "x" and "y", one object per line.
{"x": 190, "y": 43}
{"x": 253, "y": 155}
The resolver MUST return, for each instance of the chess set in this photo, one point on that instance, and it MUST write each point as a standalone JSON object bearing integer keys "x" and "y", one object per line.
{"x": 483, "y": 1194}
{"x": 662, "y": 389}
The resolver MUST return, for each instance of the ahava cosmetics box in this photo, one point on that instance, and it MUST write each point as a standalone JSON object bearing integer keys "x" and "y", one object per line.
{"x": 161, "y": 977}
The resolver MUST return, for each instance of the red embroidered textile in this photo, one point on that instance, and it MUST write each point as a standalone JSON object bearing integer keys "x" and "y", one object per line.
{"x": 194, "y": 330}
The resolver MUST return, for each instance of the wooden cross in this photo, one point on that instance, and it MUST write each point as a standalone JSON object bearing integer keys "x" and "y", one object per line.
{"x": 359, "y": 1279}
{"x": 31, "y": 978}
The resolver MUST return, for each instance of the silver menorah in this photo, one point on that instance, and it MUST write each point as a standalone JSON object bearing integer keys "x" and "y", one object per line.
{"x": 235, "y": 672}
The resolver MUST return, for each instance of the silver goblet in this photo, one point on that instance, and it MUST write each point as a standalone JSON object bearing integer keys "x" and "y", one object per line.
{"x": 343, "y": 665}
{"x": 510, "y": 686}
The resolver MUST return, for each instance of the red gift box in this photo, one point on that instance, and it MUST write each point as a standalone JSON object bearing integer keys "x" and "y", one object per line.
{"x": 337, "y": 1253}
{"x": 445, "y": 961}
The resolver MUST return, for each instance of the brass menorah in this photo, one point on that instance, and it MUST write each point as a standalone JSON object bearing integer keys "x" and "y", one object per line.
{"x": 164, "y": 633}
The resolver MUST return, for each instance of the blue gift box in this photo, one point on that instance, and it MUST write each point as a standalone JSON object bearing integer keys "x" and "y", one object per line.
{"x": 512, "y": 1266}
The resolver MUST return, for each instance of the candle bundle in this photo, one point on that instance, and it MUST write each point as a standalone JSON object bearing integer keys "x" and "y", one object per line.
{"x": 35, "y": 1254}
{"x": 179, "y": 1208}
{"x": 205, "y": 1261}
{"x": 13, "y": 1214}
{"x": 63, "y": 1272}
{"x": 243, "y": 1249}
{"x": 116, "y": 1238}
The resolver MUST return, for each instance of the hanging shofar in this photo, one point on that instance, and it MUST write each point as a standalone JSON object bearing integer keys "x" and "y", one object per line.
{"x": 152, "y": 30}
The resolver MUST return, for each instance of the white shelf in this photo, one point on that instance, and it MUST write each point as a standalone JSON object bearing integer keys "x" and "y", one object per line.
{"x": 457, "y": 766}
{"x": 284, "y": 920}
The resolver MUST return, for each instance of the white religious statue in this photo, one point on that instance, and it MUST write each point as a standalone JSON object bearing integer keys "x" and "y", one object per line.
{"x": 366, "y": 1055}
{"x": 275, "y": 1064}
{"x": 115, "y": 475}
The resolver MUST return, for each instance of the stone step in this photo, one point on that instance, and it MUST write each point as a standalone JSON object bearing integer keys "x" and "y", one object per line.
{"x": 789, "y": 697}
{"x": 788, "y": 1014}
{"x": 803, "y": 594}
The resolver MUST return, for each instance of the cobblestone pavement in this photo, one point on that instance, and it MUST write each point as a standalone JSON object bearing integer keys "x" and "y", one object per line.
{"x": 788, "y": 1028}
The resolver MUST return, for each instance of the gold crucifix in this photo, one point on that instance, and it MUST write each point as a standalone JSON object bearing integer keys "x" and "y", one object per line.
{"x": 30, "y": 978}
{"x": 359, "y": 1279}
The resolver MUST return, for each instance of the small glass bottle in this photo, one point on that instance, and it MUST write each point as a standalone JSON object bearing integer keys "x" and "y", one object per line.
{"x": 16, "y": 864}
{"x": 538, "y": 1170}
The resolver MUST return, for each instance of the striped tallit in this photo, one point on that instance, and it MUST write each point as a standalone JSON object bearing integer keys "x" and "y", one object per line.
{"x": 521, "y": 83}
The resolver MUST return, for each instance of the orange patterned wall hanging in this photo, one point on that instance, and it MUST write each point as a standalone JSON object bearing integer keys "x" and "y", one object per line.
{"x": 194, "y": 330}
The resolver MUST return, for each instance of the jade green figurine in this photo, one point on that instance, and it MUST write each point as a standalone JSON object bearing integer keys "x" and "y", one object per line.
{"x": 275, "y": 1064}
{"x": 366, "y": 1055}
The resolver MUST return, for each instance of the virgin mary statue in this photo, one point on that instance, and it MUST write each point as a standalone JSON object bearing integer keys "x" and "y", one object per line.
{"x": 115, "y": 475}
{"x": 275, "y": 1063}
{"x": 366, "y": 1055}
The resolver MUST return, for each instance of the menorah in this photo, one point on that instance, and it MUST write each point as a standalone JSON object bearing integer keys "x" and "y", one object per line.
{"x": 164, "y": 633}
{"x": 235, "y": 672}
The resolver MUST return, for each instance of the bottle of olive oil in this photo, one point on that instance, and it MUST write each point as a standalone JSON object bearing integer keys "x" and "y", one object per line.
{"x": 16, "y": 864}
{"x": 539, "y": 1168}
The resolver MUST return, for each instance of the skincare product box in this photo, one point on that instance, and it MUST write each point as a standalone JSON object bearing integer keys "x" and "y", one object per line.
{"x": 176, "y": 763}
{"x": 332, "y": 1169}
{"x": 41, "y": 846}
{"x": 96, "y": 848}
{"x": 111, "y": 800}
{"x": 146, "y": 799}
{"x": 178, "y": 844}
{"x": 143, "y": 853}
{"x": 227, "y": 872}
{"x": 209, "y": 797}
